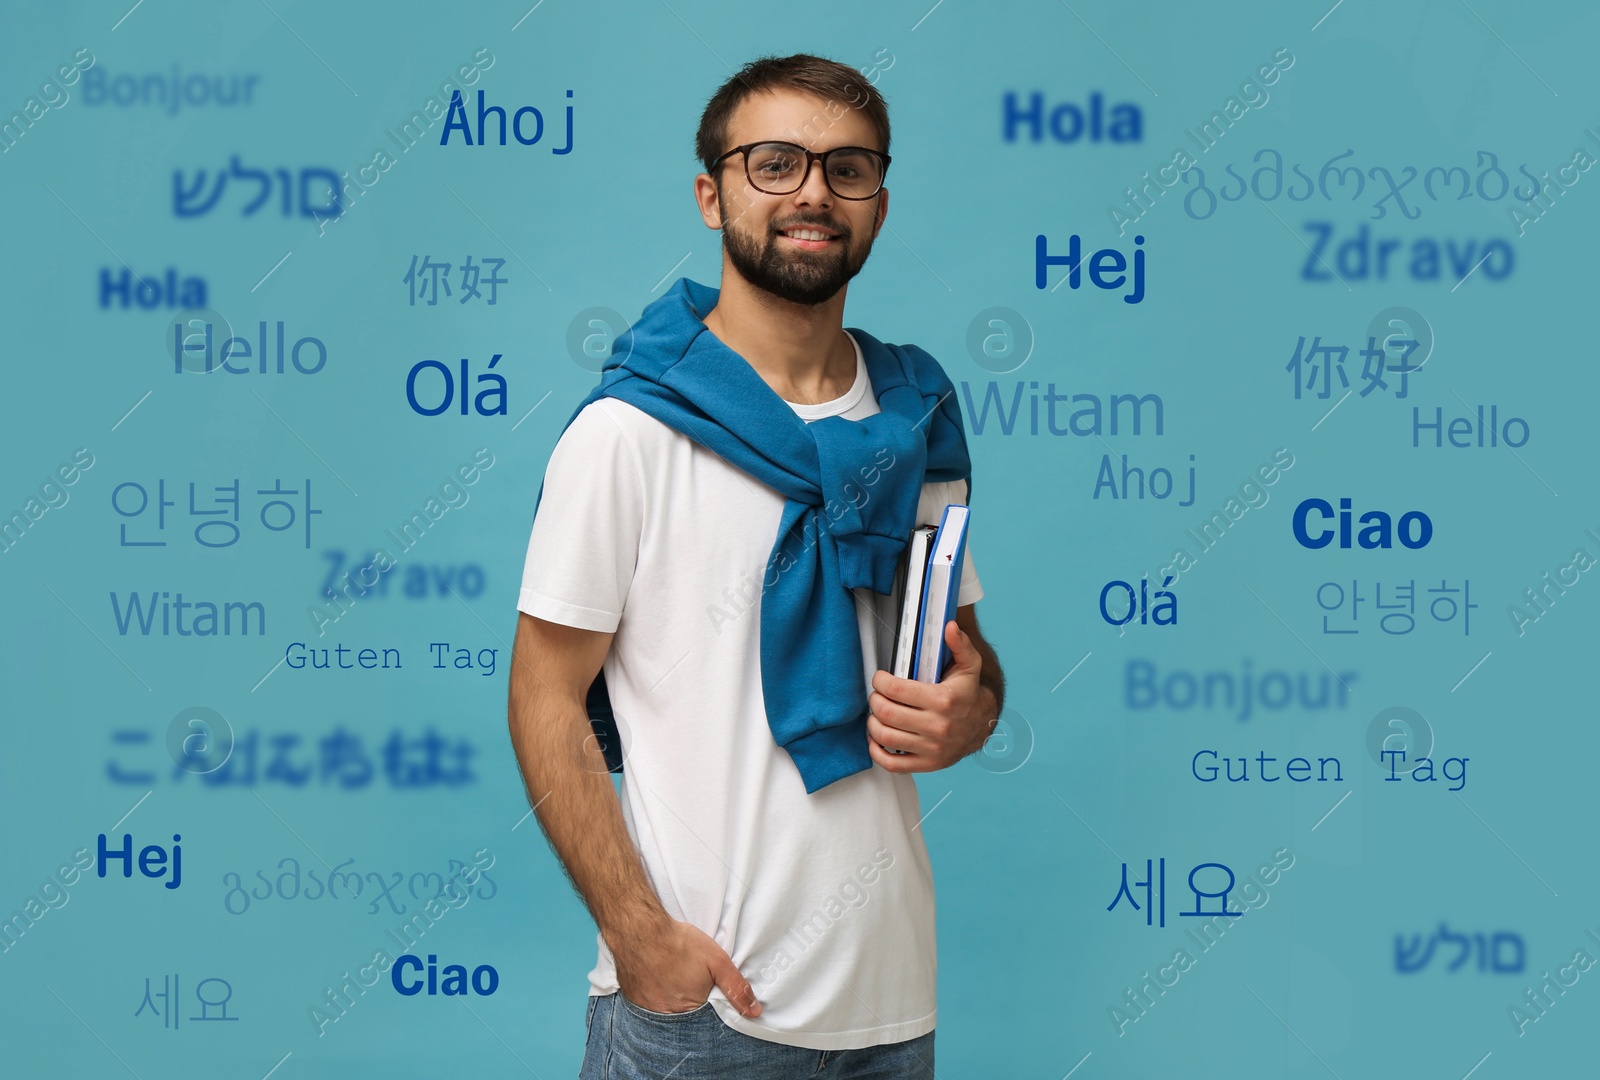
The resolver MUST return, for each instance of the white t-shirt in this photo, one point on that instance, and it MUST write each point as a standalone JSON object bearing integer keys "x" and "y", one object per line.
{"x": 824, "y": 901}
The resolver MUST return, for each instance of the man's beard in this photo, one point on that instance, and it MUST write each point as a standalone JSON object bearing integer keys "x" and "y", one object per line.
{"x": 798, "y": 276}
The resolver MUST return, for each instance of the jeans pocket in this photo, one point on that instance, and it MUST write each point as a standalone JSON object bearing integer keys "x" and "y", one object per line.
{"x": 661, "y": 1017}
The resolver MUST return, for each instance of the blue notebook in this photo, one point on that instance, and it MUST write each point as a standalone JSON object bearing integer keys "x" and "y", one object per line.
{"x": 940, "y": 587}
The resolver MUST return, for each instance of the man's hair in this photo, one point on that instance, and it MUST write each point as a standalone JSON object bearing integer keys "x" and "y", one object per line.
{"x": 840, "y": 86}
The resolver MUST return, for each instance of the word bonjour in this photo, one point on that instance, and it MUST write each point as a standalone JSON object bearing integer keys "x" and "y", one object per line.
{"x": 1212, "y": 128}
{"x": 1138, "y": 1001}
{"x": 1274, "y": 690}
{"x": 341, "y": 998}
{"x": 485, "y": 979}
{"x": 54, "y": 495}
{"x": 100, "y": 88}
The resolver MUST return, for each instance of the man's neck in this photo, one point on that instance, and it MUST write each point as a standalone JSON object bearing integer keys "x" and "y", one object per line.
{"x": 800, "y": 350}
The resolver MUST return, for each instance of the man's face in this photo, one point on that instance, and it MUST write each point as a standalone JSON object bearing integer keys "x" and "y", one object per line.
{"x": 754, "y": 223}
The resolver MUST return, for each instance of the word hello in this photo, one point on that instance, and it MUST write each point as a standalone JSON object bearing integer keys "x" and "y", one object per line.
{"x": 1090, "y": 419}
{"x": 185, "y": 344}
{"x": 1165, "y": 602}
{"x": 142, "y": 613}
{"x": 167, "y": 91}
{"x": 1462, "y": 426}
{"x": 485, "y": 979}
{"x": 483, "y": 403}
{"x": 54, "y": 495}
{"x": 152, "y": 859}
{"x": 1414, "y": 531}
{"x": 1106, "y": 478}
{"x": 1105, "y": 261}
{"x": 1067, "y": 121}
{"x": 1353, "y": 260}
{"x": 1275, "y": 690}
{"x": 18, "y": 124}
{"x": 150, "y": 293}
{"x": 456, "y": 119}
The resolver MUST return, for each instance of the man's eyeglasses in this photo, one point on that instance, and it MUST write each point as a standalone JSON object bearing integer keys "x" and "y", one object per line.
{"x": 780, "y": 168}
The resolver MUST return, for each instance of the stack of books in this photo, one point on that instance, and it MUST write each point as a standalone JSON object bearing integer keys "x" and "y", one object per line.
{"x": 927, "y": 583}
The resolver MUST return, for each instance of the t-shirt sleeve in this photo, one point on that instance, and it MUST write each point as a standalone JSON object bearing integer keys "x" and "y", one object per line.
{"x": 585, "y": 540}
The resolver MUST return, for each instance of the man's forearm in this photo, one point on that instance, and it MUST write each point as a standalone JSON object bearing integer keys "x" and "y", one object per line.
{"x": 577, "y": 808}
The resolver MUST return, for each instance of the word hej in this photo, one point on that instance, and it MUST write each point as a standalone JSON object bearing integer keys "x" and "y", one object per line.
{"x": 1581, "y": 562}
{"x": 19, "y": 123}
{"x": 1138, "y": 1000}
{"x": 1403, "y": 606}
{"x": 169, "y": 993}
{"x": 184, "y": 346}
{"x": 149, "y": 293}
{"x": 1212, "y": 129}
{"x": 152, "y": 860}
{"x": 339, "y": 999}
{"x": 1414, "y": 528}
{"x": 1067, "y": 121}
{"x": 485, "y": 400}
{"x": 1492, "y": 185}
{"x": 384, "y": 888}
{"x": 1095, "y": 417}
{"x": 408, "y": 763}
{"x": 457, "y": 120}
{"x": 54, "y": 493}
{"x": 454, "y": 495}
{"x": 191, "y": 200}
{"x": 485, "y": 979}
{"x": 1539, "y": 1000}
{"x": 427, "y": 278}
{"x": 422, "y": 580}
{"x": 53, "y": 895}
{"x": 275, "y": 515}
{"x": 1410, "y": 958}
{"x": 1353, "y": 259}
{"x": 298, "y": 658}
{"x": 1182, "y": 690}
{"x": 1103, "y": 262}
{"x": 1320, "y": 363}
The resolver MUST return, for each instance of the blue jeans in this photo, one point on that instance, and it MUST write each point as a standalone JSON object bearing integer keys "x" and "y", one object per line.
{"x": 630, "y": 1043}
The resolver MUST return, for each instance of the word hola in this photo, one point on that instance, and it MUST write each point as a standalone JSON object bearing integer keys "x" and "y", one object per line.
{"x": 152, "y": 859}
{"x": 1414, "y": 530}
{"x": 1067, "y": 121}
{"x": 485, "y": 979}
{"x": 1106, "y": 260}
{"x": 456, "y": 118}
{"x": 485, "y": 398}
{"x": 150, "y": 293}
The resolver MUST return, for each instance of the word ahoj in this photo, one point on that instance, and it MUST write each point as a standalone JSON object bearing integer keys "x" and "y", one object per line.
{"x": 456, "y": 119}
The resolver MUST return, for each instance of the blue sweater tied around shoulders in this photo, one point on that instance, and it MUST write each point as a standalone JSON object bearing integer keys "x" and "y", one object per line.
{"x": 672, "y": 367}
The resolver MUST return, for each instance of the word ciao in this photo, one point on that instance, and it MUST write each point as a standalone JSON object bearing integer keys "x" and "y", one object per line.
{"x": 236, "y": 900}
{"x": 1541, "y": 601}
{"x": 53, "y": 895}
{"x": 483, "y": 403}
{"x": 152, "y": 859}
{"x": 1101, "y": 263}
{"x": 54, "y": 494}
{"x": 1211, "y": 129}
{"x": 168, "y": 91}
{"x": 340, "y": 998}
{"x": 1273, "y": 690}
{"x": 1068, "y": 121}
{"x": 456, "y": 120}
{"x": 20, "y": 123}
{"x": 190, "y": 200}
{"x": 1354, "y": 256}
{"x": 1410, "y": 957}
{"x": 1491, "y": 184}
{"x": 1414, "y": 528}
{"x": 485, "y": 979}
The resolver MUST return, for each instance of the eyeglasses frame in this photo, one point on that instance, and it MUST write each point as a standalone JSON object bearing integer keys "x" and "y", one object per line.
{"x": 811, "y": 156}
